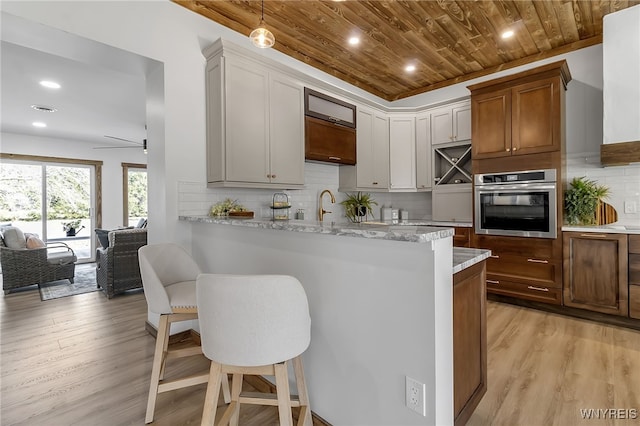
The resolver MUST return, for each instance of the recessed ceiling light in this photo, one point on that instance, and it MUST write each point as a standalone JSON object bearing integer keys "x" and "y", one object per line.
{"x": 39, "y": 124}
{"x": 354, "y": 41}
{"x": 507, "y": 34}
{"x": 410, "y": 68}
{"x": 43, "y": 108}
{"x": 50, "y": 84}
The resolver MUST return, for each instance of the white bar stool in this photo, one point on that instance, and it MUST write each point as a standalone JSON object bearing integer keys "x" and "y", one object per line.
{"x": 169, "y": 280}
{"x": 254, "y": 324}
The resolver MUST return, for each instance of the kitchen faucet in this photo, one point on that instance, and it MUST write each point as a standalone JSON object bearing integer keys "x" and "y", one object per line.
{"x": 321, "y": 210}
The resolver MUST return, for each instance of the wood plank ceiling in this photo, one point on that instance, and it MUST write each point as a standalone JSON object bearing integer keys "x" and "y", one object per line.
{"x": 448, "y": 41}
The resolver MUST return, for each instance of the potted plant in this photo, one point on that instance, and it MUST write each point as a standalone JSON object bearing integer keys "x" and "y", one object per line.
{"x": 358, "y": 205}
{"x": 226, "y": 206}
{"x": 581, "y": 201}
{"x": 72, "y": 227}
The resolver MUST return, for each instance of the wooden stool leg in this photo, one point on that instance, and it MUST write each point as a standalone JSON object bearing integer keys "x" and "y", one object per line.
{"x": 284, "y": 395}
{"x": 226, "y": 394}
{"x": 158, "y": 360}
{"x": 236, "y": 388}
{"x": 303, "y": 396}
{"x": 211, "y": 397}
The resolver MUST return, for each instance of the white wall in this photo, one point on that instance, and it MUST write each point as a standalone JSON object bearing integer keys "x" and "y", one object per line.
{"x": 111, "y": 168}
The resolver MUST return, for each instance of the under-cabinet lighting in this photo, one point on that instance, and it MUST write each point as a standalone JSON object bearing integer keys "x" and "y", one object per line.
{"x": 39, "y": 124}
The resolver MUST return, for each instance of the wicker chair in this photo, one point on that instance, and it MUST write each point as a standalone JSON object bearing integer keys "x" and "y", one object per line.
{"x": 25, "y": 267}
{"x": 117, "y": 268}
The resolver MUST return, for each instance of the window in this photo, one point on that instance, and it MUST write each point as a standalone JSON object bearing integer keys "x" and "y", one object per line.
{"x": 134, "y": 192}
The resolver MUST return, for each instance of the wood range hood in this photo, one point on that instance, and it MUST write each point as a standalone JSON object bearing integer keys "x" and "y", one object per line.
{"x": 621, "y": 88}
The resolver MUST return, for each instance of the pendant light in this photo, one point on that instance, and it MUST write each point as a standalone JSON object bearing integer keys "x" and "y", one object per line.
{"x": 261, "y": 37}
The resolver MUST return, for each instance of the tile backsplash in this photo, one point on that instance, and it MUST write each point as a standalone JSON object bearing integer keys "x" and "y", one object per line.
{"x": 623, "y": 182}
{"x": 194, "y": 198}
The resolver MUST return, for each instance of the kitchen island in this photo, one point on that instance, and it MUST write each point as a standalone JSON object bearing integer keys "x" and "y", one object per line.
{"x": 381, "y": 305}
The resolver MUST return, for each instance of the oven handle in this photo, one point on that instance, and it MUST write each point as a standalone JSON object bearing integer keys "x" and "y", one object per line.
{"x": 523, "y": 187}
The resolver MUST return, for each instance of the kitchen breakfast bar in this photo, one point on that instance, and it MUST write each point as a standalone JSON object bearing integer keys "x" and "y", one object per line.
{"x": 382, "y": 302}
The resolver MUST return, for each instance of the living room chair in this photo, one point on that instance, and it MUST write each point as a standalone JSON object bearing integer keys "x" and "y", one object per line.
{"x": 169, "y": 279}
{"x": 23, "y": 266}
{"x": 117, "y": 267}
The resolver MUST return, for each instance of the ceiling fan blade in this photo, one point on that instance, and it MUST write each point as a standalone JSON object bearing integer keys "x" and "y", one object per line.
{"x": 122, "y": 139}
{"x": 116, "y": 147}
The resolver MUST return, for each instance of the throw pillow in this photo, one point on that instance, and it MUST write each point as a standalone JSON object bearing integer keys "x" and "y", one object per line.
{"x": 103, "y": 237}
{"x": 34, "y": 242}
{"x": 14, "y": 238}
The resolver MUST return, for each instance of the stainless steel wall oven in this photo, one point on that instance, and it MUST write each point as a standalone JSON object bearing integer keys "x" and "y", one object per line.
{"x": 519, "y": 204}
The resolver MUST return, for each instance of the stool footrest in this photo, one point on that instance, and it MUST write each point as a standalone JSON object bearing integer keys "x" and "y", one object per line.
{"x": 170, "y": 385}
{"x": 260, "y": 398}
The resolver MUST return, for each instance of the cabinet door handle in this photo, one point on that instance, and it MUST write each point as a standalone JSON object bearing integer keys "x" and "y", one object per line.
{"x": 515, "y": 148}
{"x": 374, "y": 183}
{"x": 494, "y": 256}
{"x": 537, "y": 261}
{"x": 335, "y": 119}
{"x": 508, "y": 149}
{"x": 493, "y": 282}
{"x": 273, "y": 176}
{"x": 530, "y": 287}
{"x": 335, "y": 158}
{"x": 594, "y": 235}
{"x": 268, "y": 176}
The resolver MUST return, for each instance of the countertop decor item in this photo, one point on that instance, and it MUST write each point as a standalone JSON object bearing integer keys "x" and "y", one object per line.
{"x": 226, "y": 207}
{"x": 358, "y": 206}
{"x": 582, "y": 199}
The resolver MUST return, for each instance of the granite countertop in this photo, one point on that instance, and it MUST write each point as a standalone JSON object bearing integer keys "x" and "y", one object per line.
{"x": 466, "y": 257}
{"x": 408, "y": 232}
{"x": 606, "y": 229}
{"x": 421, "y": 222}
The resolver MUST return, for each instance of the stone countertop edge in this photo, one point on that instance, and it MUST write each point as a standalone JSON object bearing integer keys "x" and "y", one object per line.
{"x": 466, "y": 257}
{"x": 604, "y": 229}
{"x": 408, "y": 233}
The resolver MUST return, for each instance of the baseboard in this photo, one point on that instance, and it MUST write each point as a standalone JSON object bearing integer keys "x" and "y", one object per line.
{"x": 569, "y": 311}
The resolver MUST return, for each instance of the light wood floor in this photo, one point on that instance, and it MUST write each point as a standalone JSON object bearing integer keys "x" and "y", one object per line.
{"x": 85, "y": 360}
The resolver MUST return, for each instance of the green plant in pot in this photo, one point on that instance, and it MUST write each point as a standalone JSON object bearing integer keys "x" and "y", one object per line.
{"x": 581, "y": 201}
{"x": 358, "y": 206}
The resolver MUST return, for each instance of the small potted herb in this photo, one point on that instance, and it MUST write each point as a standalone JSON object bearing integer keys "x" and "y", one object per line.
{"x": 72, "y": 227}
{"x": 581, "y": 201}
{"x": 358, "y": 206}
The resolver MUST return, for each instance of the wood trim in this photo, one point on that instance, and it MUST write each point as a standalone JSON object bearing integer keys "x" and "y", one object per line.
{"x": 44, "y": 159}
{"x": 620, "y": 154}
{"x": 554, "y": 69}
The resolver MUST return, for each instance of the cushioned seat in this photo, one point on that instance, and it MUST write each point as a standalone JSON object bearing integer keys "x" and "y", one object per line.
{"x": 117, "y": 267}
{"x": 24, "y": 266}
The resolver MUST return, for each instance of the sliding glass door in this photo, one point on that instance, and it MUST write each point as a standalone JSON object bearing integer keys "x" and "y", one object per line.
{"x": 53, "y": 200}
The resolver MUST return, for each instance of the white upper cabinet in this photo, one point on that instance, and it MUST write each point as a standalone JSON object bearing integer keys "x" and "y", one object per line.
{"x": 255, "y": 134}
{"x": 402, "y": 152}
{"x": 451, "y": 123}
{"x": 372, "y": 144}
{"x": 424, "y": 173}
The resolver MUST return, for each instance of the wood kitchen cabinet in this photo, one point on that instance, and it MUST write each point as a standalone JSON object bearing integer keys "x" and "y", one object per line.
{"x": 469, "y": 341}
{"x": 255, "y": 135}
{"x": 519, "y": 114}
{"x": 595, "y": 272}
{"x": 402, "y": 153}
{"x": 524, "y": 268}
{"x": 451, "y": 123}
{"x": 634, "y": 276}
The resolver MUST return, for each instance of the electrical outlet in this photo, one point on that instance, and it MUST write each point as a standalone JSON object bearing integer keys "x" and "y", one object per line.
{"x": 630, "y": 207}
{"x": 415, "y": 394}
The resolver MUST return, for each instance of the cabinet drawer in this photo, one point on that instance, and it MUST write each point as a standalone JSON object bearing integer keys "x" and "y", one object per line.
{"x": 634, "y": 269}
{"x": 539, "y": 272}
{"x": 634, "y": 244}
{"x": 533, "y": 292}
{"x": 634, "y": 301}
{"x": 537, "y": 248}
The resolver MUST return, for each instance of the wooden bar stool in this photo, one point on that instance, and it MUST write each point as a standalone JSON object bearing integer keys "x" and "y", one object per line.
{"x": 169, "y": 280}
{"x": 254, "y": 324}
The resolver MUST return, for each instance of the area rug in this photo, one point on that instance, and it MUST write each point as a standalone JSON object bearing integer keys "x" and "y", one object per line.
{"x": 84, "y": 282}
